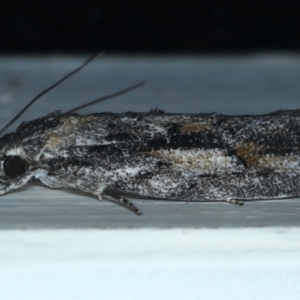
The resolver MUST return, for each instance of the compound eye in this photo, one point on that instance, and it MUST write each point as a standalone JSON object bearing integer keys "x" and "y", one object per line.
{"x": 13, "y": 166}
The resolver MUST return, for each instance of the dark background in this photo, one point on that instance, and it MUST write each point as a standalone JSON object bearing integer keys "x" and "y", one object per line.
{"x": 149, "y": 27}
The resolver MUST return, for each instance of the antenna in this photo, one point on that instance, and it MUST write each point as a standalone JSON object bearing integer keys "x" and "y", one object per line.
{"x": 46, "y": 91}
{"x": 133, "y": 87}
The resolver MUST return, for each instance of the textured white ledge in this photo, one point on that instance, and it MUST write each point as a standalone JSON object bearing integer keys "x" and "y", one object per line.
{"x": 150, "y": 264}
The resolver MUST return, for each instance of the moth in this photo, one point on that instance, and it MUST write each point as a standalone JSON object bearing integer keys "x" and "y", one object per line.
{"x": 157, "y": 155}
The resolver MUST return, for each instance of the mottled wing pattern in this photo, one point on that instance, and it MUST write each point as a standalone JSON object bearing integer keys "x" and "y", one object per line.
{"x": 189, "y": 157}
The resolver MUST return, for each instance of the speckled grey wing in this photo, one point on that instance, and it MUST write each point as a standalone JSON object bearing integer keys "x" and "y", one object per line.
{"x": 197, "y": 157}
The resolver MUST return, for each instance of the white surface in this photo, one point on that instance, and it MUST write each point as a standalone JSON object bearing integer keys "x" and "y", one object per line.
{"x": 150, "y": 264}
{"x": 44, "y": 262}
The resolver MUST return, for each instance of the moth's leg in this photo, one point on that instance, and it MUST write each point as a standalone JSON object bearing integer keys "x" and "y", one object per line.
{"x": 54, "y": 180}
{"x": 89, "y": 186}
{"x": 22, "y": 180}
{"x": 235, "y": 202}
{"x": 123, "y": 201}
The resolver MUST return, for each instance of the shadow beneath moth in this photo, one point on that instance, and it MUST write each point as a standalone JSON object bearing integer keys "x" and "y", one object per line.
{"x": 155, "y": 155}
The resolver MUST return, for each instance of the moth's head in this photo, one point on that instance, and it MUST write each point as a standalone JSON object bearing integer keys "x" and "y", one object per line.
{"x": 12, "y": 159}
